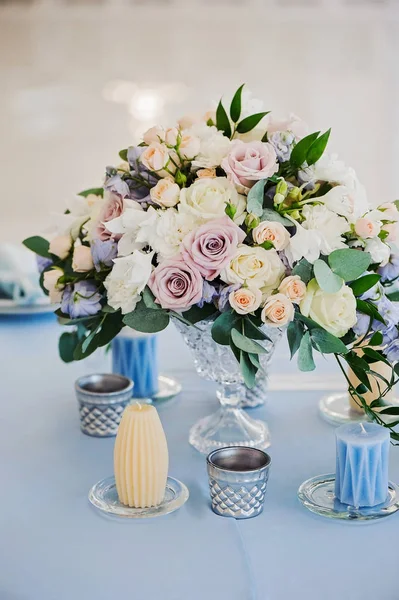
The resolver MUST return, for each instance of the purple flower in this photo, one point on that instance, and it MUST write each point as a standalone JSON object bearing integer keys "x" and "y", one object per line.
{"x": 362, "y": 324}
{"x": 81, "y": 299}
{"x": 390, "y": 313}
{"x": 282, "y": 141}
{"x": 392, "y": 352}
{"x": 389, "y": 335}
{"x": 43, "y": 263}
{"x": 391, "y": 270}
{"x": 209, "y": 293}
{"x": 103, "y": 253}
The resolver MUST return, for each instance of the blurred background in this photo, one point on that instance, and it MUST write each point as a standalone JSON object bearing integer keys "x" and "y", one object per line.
{"x": 81, "y": 79}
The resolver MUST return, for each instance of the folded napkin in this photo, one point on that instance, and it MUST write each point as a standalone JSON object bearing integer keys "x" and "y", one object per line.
{"x": 19, "y": 276}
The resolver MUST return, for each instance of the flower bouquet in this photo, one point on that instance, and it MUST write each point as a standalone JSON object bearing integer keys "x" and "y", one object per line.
{"x": 242, "y": 221}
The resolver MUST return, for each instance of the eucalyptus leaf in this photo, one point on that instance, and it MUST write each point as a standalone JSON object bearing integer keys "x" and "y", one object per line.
{"x": 248, "y": 370}
{"x": 38, "y": 245}
{"x": 255, "y": 198}
{"x": 146, "y": 319}
{"x": 294, "y": 336}
{"x": 316, "y": 150}
{"x": 235, "y": 106}
{"x": 222, "y": 120}
{"x": 305, "y": 354}
{"x": 361, "y": 285}
{"x": 268, "y": 214}
{"x": 236, "y": 351}
{"x": 252, "y": 331}
{"x": 300, "y": 150}
{"x": 196, "y": 314}
{"x": 221, "y": 329}
{"x": 304, "y": 269}
{"x": 67, "y": 344}
{"x": 327, "y": 280}
{"x": 250, "y": 122}
{"x": 149, "y": 299}
{"x": 348, "y": 263}
{"x": 246, "y": 344}
{"x": 254, "y": 358}
{"x": 327, "y": 343}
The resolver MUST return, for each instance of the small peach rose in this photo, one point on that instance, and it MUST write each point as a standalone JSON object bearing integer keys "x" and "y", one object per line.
{"x": 155, "y": 157}
{"x": 189, "y": 120}
{"x": 367, "y": 228}
{"x": 271, "y": 231}
{"x": 245, "y": 300}
{"x": 50, "y": 283}
{"x": 209, "y": 173}
{"x": 278, "y": 311}
{"x": 171, "y": 135}
{"x": 294, "y": 288}
{"x": 165, "y": 193}
{"x": 154, "y": 134}
{"x": 60, "y": 246}
{"x": 189, "y": 146}
{"x": 82, "y": 260}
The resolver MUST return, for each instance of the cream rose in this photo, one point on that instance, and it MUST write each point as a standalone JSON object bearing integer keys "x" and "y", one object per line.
{"x": 254, "y": 266}
{"x": 271, "y": 231}
{"x": 171, "y": 135}
{"x": 82, "y": 260}
{"x": 50, "y": 283}
{"x": 155, "y": 157}
{"x": 367, "y": 228}
{"x": 278, "y": 311}
{"x": 207, "y": 199}
{"x": 335, "y": 312}
{"x": 165, "y": 193}
{"x": 154, "y": 134}
{"x": 293, "y": 287}
{"x": 209, "y": 173}
{"x": 189, "y": 146}
{"x": 245, "y": 300}
{"x": 60, "y": 246}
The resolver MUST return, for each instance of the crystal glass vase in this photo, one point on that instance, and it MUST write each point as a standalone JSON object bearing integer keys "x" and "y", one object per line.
{"x": 229, "y": 425}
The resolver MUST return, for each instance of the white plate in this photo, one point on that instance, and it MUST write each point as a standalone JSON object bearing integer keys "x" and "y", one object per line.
{"x": 8, "y": 307}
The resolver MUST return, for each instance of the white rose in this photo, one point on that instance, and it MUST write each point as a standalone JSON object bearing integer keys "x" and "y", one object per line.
{"x": 271, "y": 231}
{"x": 367, "y": 228}
{"x": 189, "y": 146}
{"x": 293, "y": 287}
{"x": 348, "y": 202}
{"x": 165, "y": 193}
{"x": 127, "y": 280}
{"x": 379, "y": 251}
{"x": 154, "y": 134}
{"x": 335, "y": 312}
{"x": 278, "y": 311}
{"x": 82, "y": 260}
{"x": 61, "y": 246}
{"x": 207, "y": 199}
{"x": 245, "y": 300}
{"x": 214, "y": 146}
{"x": 50, "y": 283}
{"x": 155, "y": 157}
{"x": 328, "y": 225}
{"x": 254, "y": 266}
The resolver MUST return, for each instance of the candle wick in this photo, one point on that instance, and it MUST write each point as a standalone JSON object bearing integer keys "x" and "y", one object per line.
{"x": 362, "y": 428}
{"x": 139, "y": 404}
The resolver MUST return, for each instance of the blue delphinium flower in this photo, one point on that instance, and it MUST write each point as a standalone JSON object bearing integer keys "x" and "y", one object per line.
{"x": 209, "y": 293}
{"x": 389, "y": 311}
{"x": 392, "y": 352}
{"x": 391, "y": 270}
{"x": 103, "y": 253}
{"x": 282, "y": 142}
{"x": 43, "y": 263}
{"x": 81, "y": 299}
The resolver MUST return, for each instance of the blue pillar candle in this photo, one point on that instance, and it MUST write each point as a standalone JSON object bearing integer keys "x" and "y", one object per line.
{"x": 135, "y": 355}
{"x": 362, "y": 464}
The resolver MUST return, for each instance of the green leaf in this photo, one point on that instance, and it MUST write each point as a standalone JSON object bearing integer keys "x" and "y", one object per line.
{"x": 149, "y": 299}
{"x": 196, "y": 314}
{"x": 327, "y": 280}
{"x": 252, "y": 331}
{"x": 361, "y": 389}
{"x": 236, "y": 351}
{"x": 230, "y": 210}
{"x": 394, "y": 297}
{"x": 123, "y": 154}
{"x": 222, "y": 327}
{"x": 300, "y": 150}
{"x": 250, "y": 122}
{"x": 305, "y": 354}
{"x": 348, "y": 263}
{"x": 376, "y": 356}
{"x": 246, "y": 344}
{"x": 361, "y": 285}
{"x": 308, "y": 322}
{"x": 376, "y": 339}
{"x": 294, "y": 336}
{"x": 255, "y": 198}
{"x": 304, "y": 269}
{"x": 248, "y": 370}
{"x": 367, "y": 308}
{"x": 390, "y": 410}
{"x": 267, "y": 245}
{"x": 327, "y": 343}
{"x": 316, "y": 150}
{"x": 108, "y": 309}
{"x": 235, "y": 106}
{"x": 95, "y": 191}
{"x": 67, "y": 344}
{"x": 110, "y": 329}
{"x": 222, "y": 120}
{"x": 254, "y": 358}
{"x": 146, "y": 319}
{"x": 38, "y": 245}
{"x": 269, "y": 214}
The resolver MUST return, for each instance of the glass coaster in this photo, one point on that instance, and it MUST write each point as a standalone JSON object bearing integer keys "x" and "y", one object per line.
{"x": 317, "y": 494}
{"x": 103, "y": 495}
{"x": 336, "y": 409}
{"x": 168, "y": 388}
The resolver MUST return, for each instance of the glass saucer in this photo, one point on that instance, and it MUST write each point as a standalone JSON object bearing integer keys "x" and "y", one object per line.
{"x": 168, "y": 388}
{"x": 317, "y": 494}
{"x": 336, "y": 409}
{"x": 103, "y": 495}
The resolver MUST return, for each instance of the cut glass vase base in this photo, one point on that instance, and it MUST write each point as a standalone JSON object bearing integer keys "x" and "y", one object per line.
{"x": 104, "y": 497}
{"x": 168, "y": 388}
{"x": 229, "y": 427}
{"x": 317, "y": 495}
{"x": 336, "y": 409}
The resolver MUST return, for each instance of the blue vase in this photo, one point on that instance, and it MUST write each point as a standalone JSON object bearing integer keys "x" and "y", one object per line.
{"x": 135, "y": 355}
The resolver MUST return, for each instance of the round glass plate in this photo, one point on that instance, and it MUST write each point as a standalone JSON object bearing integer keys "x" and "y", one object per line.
{"x": 168, "y": 388}
{"x": 8, "y": 307}
{"x": 317, "y": 494}
{"x": 103, "y": 495}
{"x": 336, "y": 409}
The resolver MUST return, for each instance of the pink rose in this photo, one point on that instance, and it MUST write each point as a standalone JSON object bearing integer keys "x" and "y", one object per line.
{"x": 248, "y": 162}
{"x": 175, "y": 284}
{"x": 112, "y": 208}
{"x": 211, "y": 247}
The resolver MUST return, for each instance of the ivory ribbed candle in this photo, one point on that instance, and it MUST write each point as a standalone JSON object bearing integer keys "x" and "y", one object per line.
{"x": 140, "y": 457}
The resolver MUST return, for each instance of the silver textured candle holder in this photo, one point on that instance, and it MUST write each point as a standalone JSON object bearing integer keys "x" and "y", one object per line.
{"x": 102, "y": 399}
{"x": 317, "y": 495}
{"x": 238, "y": 479}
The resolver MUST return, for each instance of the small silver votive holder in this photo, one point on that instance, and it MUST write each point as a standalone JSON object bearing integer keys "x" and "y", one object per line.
{"x": 102, "y": 399}
{"x": 237, "y": 480}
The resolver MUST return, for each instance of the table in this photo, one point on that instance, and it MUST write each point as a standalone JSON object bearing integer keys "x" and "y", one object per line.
{"x": 55, "y": 546}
